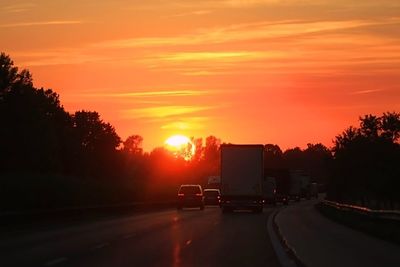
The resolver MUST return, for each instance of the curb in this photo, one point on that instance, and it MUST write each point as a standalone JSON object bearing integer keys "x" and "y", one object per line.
{"x": 286, "y": 254}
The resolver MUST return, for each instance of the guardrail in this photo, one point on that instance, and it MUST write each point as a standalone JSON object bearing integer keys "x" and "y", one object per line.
{"x": 377, "y": 214}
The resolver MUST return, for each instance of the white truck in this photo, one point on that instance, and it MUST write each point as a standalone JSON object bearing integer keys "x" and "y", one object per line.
{"x": 242, "y": 174}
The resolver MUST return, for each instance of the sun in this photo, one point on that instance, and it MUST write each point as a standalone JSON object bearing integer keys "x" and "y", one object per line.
{"x": 180, "y": 145}
{"x": 177, "y": 141}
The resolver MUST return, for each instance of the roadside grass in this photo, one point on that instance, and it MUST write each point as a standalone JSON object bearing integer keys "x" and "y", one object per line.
{"x": 385, "y": 229}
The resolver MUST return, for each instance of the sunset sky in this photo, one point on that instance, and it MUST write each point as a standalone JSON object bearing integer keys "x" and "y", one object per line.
{"x": 256, "y": 71}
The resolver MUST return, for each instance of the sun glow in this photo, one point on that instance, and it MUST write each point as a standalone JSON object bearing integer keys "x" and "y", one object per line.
{"x": 180, "y": 145}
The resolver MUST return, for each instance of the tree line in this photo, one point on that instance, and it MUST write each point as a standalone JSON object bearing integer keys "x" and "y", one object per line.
{"x": 366, "y": 166}
{"x": 50, "y": 158}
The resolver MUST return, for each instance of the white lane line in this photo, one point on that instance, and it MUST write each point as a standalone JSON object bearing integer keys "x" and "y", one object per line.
{"x": 55, "y": 261}
{"x": 188, "y": 242}
{"x": 102, "y": 245}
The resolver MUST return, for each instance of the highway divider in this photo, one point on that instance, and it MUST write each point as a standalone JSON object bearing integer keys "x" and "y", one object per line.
{"x": 384, "y": 224}
{"x": 377, "y": 214}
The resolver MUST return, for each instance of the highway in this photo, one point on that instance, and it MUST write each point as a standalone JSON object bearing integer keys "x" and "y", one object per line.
{"x": 165, "y": 238}
{"x": 319, "y": 241}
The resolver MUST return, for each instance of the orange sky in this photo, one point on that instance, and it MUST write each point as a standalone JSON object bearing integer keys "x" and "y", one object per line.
{"x": 256, "y": 71}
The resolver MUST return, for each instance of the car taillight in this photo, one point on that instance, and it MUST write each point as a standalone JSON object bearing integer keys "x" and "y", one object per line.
{"x": 218, "y": 197}
{"x": 181, "y": 195}
{"x": 199, "y": 194}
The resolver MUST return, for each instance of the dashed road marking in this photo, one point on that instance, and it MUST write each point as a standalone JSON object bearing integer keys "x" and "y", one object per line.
{"x": 55, "y": 261}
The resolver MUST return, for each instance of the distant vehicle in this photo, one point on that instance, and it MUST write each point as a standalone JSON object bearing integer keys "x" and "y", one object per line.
{"x": 189, "y": 196}
{"x": 214, "y": 182}
{"x": 212, "y": 196}
{"x": 295, "y": 185}
{"x": 242, "y": 173}
{"x": 314, "y": 190}
{"x": 299, "y": 185}
{"x": 305, "y": 186}
{"x": 282, "y": 179}
{"x": 269, "y": 190}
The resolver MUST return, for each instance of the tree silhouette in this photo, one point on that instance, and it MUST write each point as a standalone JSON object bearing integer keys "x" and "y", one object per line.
{"x": 133, "y": 144}
{"x": 8, "y": 74}
{"x": 390, "y": 125}
{"x": 273, "y": 156}
{"x": 365, "y": 166}
{"x": 32, "y": 123}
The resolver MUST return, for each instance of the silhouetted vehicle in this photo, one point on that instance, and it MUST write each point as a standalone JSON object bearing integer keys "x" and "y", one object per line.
{"x": 295, "y": 185}
{"x": 242, "y": 173}
{"x": 282, "y": 179}
{"x": 314, "y": 189}
{"x": 212, "y": 197}
{"x": 214, "y": 182}
{"x": 269, "y": 190}
{"x": 189, "y": 196}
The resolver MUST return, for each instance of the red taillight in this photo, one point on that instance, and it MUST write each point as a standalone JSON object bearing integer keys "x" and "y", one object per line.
{"x": 199, "y": 194}
{"x": 181, "y": 195}
{"x": 218, "y": 197}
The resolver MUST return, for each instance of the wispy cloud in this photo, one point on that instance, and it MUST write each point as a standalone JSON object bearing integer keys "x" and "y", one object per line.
{"x": 246, "y": 31}
{"x": 17, "y": 8}
{"x": 213, "y": 55}
{"x": 165, "y": 93}
{"x": 164, "y": 111}
{"x": 191, "y": 123}
{"x": 191, "y": 13}
{"x": 63, "y": 58}
{"x": 363, "y": 92}
{"x": 41, "y": 23}
{"x": 254, "y": 3}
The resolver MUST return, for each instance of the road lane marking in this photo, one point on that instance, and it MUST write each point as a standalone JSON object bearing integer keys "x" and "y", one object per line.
{"x": 188, "y": 242}
{"x": 55, "y": 261}
{"x": 102, "y": 245}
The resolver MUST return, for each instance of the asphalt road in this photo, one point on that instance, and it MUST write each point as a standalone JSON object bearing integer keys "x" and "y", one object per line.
{"x": 166, "y": 238}
{"x": 319, "y": 241}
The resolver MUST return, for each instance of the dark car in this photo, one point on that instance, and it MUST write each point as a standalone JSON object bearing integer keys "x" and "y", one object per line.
{"x": 189, "y": 196}
{"x": 212, "y": 196}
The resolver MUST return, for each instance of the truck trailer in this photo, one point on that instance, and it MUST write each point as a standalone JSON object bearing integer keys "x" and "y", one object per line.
{"x": 242, "y": 174}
